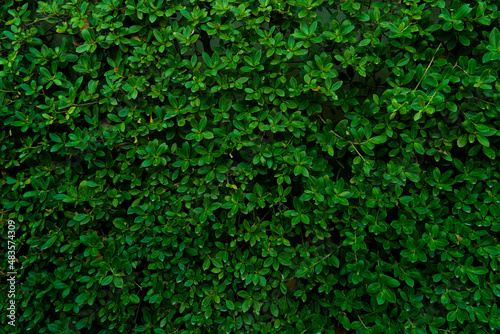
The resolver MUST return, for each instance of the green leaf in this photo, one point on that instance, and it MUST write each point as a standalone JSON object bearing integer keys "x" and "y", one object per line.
{"x": 451, "y": 316}
{"x": 107, "y": 280}
{"x": 297, "y": 170}
{"x": 82, "y": 48}
{"x": 364, "y": 17}
{"x": 337, "y": 85}
{"x": 55, "y": 137}
{"x": 393, "y": 283}
{"x": 81, "y": 323}
{"x": 284, "y": 259}
{"x": 208, "y": 312}
{"x": 380, "y": 298}
{"x": 118, "y": 282}
{"x": 210, "y": 176}
{"x": 483, "y": 140}
{"x": 367, "y": 150}
{"x": 133, "y": 29}
{"x": 495, "y": 38}
{"x": 243, "y": 294}
{"x": 406, "y": 199}
{"x": 493, "y": 250}
{"x": 9, "y": 35}
{"x": 274, "y": 310}
{"x": 140, "y": 329}
{"x": 462, "y": 140}
{"x": 464, "y": 40}
{"x": 412, "y": 176}
{"x": 82, "y": 298}
{"x": 419, "y": 148}
{"x": 217, "y": 263}
{"x": 480, "y": 270}
{"x": 134, "y": 298}
{"x": 378, "y": 139}
{"x": 206, "y": 264}
{"x": 79, "y": 217}
{"x": 436, "y": 173}
{"x": 54, "y": 328}
{"x": 489, "y": 152}
{"x": 390, "y": 296}
{"x": 207, "y": 59}
{"x": 148, "y": 162}
{"x": 49, "y": 242}
{"x": 203, "y": 123}
{"x": 461, "y": 12}
{"x": 300, "y": 273}
{"x": 473, "y": 277}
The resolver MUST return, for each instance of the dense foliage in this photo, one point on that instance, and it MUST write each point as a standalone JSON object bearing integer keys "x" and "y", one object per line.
{"x": 252, "y": 166}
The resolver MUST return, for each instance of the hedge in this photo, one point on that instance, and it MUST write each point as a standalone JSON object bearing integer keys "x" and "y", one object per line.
{"x": 219, "y": 166}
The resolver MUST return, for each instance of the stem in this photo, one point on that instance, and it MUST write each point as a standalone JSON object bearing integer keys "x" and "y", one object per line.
{"x": 362, "y": 322}
{"x": 352, "y": 144}
{"x": 428, "y": 66}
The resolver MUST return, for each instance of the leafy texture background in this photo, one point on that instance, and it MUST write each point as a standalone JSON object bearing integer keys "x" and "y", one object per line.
{"x": 252, "y": 166}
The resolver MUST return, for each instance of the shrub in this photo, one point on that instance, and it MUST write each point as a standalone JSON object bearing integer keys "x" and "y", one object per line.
{"x": 252, "y": 166}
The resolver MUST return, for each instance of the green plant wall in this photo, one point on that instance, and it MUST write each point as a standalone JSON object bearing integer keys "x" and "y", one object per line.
{"x": 251, "y": 166}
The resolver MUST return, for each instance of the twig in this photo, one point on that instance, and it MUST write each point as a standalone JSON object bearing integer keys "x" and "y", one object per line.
{"x": 352, "y": 144}
{"x": 428, "y": 66}
{"x": 362, "y": 322}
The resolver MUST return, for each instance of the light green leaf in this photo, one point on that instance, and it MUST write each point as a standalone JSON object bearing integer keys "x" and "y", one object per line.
{"x": 247, "y": 304}
{"x": 49, "y": 242}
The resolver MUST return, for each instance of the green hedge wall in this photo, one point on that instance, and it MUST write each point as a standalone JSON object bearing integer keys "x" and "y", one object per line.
{"x": 246, "y": 166}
